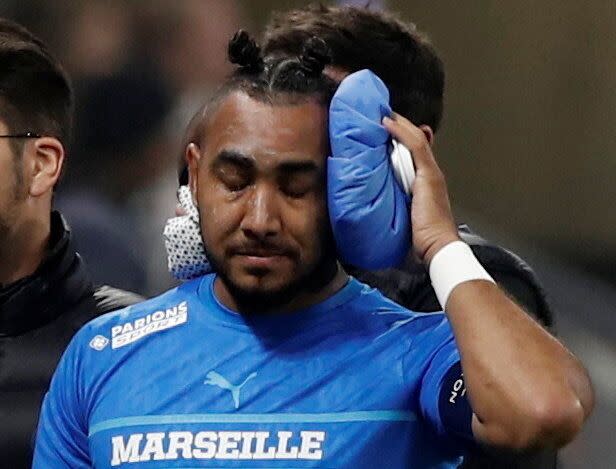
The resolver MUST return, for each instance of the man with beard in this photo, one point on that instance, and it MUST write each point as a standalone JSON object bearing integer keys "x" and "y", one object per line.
{"x": 408, "y": 64}
{"x": 279, "y": 357}
{"x": 45, "y": 291}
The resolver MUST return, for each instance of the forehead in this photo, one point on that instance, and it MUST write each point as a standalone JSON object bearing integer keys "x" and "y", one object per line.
{"x": 265, "y": 130}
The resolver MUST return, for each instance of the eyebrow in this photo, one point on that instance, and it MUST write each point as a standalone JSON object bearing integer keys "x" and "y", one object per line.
{"x": 240, "y": 159}
{"x": 234, "y": 157}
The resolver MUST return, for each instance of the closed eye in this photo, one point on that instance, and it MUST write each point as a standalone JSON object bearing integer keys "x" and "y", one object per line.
{"x": 298, "y": 180}
{"x": 234, "y": 170}
{"x": 296, "y": 191}
{"x": 234, "y": 179}
{"x": 298, "y": 185}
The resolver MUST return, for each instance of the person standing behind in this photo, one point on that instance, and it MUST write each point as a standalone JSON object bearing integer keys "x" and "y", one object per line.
{"x": 414, "y": 74}
{"x": 46, "y": 293}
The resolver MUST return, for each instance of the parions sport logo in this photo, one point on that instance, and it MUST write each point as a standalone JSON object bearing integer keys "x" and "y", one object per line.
{"x": 124, "y": 334}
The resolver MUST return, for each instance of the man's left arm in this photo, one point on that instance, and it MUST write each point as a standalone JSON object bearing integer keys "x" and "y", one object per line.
{"x": 525, "y": 388}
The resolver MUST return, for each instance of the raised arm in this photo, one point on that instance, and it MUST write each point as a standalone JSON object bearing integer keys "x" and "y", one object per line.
{"x": 525, "y": 388}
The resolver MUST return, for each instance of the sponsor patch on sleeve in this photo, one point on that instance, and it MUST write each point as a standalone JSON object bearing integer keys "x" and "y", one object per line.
{"x": 454, "y": 407}
{"x": 129, "y": 332}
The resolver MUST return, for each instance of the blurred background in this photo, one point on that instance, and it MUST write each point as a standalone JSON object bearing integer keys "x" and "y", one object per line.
{"x": 527, "y": 143}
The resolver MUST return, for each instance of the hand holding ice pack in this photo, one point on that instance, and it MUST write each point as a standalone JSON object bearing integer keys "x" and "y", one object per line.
{"x": 367, "y": 207}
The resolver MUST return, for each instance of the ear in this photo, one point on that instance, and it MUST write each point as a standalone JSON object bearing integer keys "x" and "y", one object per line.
{"x": 428, "y": 132}
{"x": 193, "y": 157}
{"x": 44, "y": 165}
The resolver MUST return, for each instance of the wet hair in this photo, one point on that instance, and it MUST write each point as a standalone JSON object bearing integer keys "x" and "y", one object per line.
{"x": 361, "y": 38}
{"x": 278, "y": 80}
{"x": 35, "y": 92}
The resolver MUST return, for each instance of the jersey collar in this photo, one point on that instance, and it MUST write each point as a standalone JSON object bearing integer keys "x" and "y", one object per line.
{"x": 317, "y": 312}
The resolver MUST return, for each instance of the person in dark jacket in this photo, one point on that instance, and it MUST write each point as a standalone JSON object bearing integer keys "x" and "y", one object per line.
{"x": 46, "y": 293}
{"x": 411, "y": 69}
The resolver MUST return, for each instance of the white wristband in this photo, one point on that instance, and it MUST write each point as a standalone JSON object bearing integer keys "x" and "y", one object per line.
{"x": 452, "y": 265}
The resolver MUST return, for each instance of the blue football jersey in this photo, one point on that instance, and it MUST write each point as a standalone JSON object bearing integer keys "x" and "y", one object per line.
{"x": 181, "y": 381}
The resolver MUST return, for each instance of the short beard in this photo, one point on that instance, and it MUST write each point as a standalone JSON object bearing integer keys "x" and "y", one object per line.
{"x": 17, "y": 194}
{"x": 313, "y": 280}
{"x": 8, "y": 216}
{"x": 4, "y": 232}
{"x": 18, "y": 173}
{"x": 18, "y": 190}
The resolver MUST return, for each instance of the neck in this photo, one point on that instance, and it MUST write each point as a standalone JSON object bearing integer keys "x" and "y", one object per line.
{"x": 23, "y": 249}
{"x": 335, "y": 279}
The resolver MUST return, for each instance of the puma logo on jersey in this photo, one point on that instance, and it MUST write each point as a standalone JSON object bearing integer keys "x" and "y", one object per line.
{"x": 124, "y": 334}
{"x": 215, "y": 379}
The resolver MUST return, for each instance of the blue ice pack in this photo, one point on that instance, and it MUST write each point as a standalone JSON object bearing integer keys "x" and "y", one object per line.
{"x": 368, "y": 209}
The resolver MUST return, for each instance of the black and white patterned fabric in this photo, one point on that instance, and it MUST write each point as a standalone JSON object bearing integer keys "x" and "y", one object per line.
{"x": 185, "y": 250}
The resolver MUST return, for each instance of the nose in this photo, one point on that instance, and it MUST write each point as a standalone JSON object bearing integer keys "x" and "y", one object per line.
{"x": 262, "y": 219}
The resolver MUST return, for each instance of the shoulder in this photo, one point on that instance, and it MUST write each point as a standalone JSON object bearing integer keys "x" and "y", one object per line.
{"x": 105, "y": 329}
{"x": 132, "y": 308}
{"x": 389, "y": 315}
{"x": 512, "y": 273}
{"x": 101, "y": 347}
{"x": 410, "y": 284}
{"x": 414, "y": 338}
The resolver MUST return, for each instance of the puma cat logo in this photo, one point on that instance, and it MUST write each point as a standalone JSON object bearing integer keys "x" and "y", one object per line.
{"x": 215, "y": 379}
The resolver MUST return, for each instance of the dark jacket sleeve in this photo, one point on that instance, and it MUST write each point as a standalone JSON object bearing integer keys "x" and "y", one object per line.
{"x": 410, "y": 286}
{"x": 109, "y": 299}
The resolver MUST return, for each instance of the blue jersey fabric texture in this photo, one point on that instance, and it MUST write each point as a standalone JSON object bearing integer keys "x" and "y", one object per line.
{"x": 180, "y": 381}
{"x": 368, "y": 210}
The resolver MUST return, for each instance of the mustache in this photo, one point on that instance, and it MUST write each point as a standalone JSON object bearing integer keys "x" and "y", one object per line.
{"x": 262, "y": 249}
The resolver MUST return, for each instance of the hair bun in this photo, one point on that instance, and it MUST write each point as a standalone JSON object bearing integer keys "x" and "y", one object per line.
{"x": 315, "y": 56}
{"x": 244, "y": 51}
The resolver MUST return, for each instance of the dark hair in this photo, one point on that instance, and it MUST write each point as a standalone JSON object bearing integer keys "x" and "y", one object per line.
{"x": 35, "y": 92}
{"x": 360, "y": 38}
{"x": 275, "y": 80}
{"x": 289, "y": 78}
